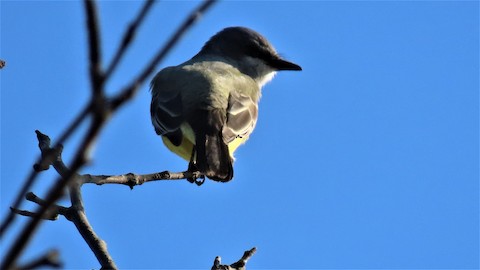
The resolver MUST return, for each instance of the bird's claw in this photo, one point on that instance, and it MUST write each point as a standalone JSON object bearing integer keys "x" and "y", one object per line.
{"x": 196, "y": 177}
{"x": 200, "y": 180}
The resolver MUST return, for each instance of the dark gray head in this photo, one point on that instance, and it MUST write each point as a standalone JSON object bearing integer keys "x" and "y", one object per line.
{"x": 240, "y": 43}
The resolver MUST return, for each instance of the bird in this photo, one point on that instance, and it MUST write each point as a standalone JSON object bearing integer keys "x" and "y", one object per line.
{"x": 206, "y": 107}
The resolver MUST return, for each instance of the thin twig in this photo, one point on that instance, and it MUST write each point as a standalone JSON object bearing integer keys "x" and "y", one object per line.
{"x": 80, "y": 158}
{"x": 53, "y": 195}
{"x": 51, "y": 214}
{"x": 100, "y": 109}
{"x": 78, "y": 217}
{"x": 39, "y": 165}
{"x": 129, "y": 91}
{"x": 96, "y": 78}
{"x": 131, "y": 179}
{"x": 128, "y": 37}
{"x": 34, "y": 173}
{"x": 76, "y": 214}
{"x": 74, "y": 125}
{"x": 238, "y": 265}
{"x": 59, "y": 210}
{"x": 49, "y": 259}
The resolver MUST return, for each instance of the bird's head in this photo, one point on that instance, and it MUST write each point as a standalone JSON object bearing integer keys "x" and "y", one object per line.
{"x": 250, "y": 51}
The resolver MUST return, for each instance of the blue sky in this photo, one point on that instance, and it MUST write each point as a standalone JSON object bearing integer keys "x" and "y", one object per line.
{"x": 368, "y": 158}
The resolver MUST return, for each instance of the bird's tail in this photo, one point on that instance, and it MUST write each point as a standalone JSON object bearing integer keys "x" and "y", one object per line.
{"x": 213, "y": 158}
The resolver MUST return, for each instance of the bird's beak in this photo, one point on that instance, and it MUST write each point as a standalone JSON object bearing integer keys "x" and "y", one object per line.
{"x": 280, "y": 64}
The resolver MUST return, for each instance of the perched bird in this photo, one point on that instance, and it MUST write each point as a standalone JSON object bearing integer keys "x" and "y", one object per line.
{"x": 208, "y": 106}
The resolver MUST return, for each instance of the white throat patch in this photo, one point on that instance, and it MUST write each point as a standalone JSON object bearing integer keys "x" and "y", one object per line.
{"x": 266, "y": 78}
{"x": 263, "y": 73}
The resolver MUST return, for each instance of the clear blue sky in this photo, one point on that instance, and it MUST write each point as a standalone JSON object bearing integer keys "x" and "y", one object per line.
{"x": 368, "y": 158}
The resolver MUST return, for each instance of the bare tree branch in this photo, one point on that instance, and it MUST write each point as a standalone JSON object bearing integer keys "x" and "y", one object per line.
{"x": 238, "y": 265}
{"x": 76, "y": 214}
{"x": 131, "y": 89}
{"x": 98, "y": 121}
{"x": 53, "y": 195}
{"x": 79, "y": 218}
{"x": 128, "y": 179}
{"x": 49, "y": 259}
{"x": 128, "y": 37}
{"x": 131, "y": 179}
{"x": 51, "y": 214}
{"x": 96, "y": 77}
{"x": 100, "y": 110}
{"x": 37, "y": 166}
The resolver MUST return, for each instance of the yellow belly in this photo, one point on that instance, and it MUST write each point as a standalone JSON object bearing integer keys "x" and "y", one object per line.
{"x": 185, "y": 149}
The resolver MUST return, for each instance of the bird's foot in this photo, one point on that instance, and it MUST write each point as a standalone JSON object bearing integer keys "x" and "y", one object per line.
{"x": 200, "y": 180}
{"x": 196, "y": 177}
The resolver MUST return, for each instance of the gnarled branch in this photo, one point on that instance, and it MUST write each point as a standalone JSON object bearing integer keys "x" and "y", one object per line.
{"x": 238, "y": 265}
{"x": 50, "y": 259}
{"x": 99, "y": 109}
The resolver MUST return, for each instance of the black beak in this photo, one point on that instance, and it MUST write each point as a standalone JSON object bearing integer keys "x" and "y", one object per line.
{"x": 280, "y": 64}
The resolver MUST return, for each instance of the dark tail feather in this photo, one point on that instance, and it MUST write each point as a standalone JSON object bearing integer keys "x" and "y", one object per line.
{"x": 218, "y": 159}
{"x": 213, "y": 157}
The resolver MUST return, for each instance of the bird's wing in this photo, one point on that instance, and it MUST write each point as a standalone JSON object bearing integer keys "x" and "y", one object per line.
{"x": 166, "y": 108}
{"x": 242, "y": 113}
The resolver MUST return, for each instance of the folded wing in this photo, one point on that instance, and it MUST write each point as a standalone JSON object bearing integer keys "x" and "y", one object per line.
{"x": 242, "y": 114}
{"x": 166, "y": 109}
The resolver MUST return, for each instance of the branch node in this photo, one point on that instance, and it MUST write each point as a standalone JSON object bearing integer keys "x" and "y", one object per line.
{"x": 239, "y": 265}
{"x": 30, "y": 196}
{"x": 49, "y": 259}
{"x": 49, "y": 155}
{"x": 49, "y": 215}
{"x": 132, "y": 180}
{"x": 100, "y": 110}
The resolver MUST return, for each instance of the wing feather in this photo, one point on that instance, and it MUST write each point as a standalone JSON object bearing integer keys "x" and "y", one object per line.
{"x": 166, "y": 108}
{"x": 242, "y": 114}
